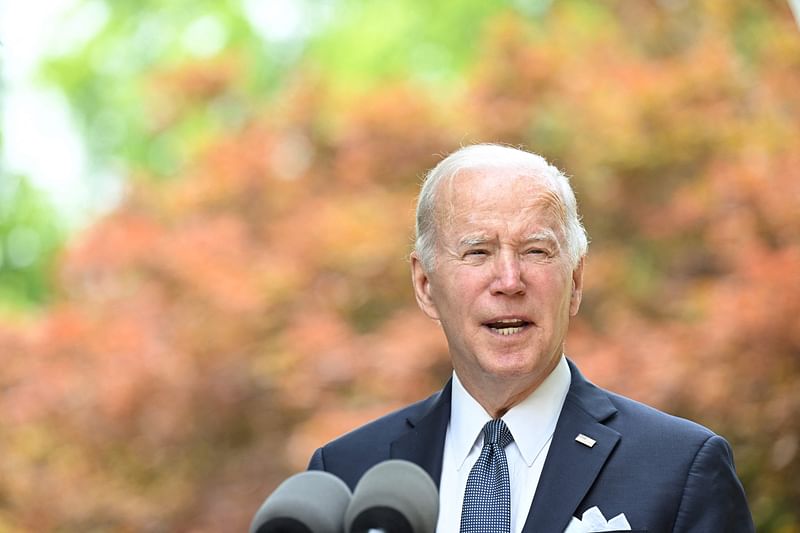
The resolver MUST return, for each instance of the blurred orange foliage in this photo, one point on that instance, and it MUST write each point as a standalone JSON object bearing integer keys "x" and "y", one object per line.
{"x": 214, "y": 329}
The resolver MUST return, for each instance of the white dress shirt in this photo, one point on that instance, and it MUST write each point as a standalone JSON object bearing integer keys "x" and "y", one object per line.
{"x": 531, "y": 422}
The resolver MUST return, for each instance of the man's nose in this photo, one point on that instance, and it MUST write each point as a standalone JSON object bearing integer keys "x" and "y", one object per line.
{"x": 507, "y": 275}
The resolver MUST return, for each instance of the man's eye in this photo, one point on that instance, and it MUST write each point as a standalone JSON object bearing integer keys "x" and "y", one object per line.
{"x": 475, "y": 252}
{"x": 537, "y": 251}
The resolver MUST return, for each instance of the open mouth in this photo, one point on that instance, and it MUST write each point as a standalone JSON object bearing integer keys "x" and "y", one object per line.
{"x": 507, "y": 326}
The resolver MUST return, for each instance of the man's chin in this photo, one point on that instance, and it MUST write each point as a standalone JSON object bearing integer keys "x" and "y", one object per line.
{"x": 517, "y": 367}
{"x": 510, "y": 370}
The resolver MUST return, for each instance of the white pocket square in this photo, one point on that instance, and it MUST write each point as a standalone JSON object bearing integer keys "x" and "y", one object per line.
{"x": 593, "y": 521}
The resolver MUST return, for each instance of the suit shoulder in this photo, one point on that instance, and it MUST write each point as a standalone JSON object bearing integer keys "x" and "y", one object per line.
{"x": 647, "y": 420}
{"x": 386, "y": 428}
{"x": 351, "y": 454}
{"x": 630, "y": 417}
{"x": 683, "y": 455}
{"x": 681, "y": 473}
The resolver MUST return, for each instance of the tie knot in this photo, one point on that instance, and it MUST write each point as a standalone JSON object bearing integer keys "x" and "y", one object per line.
{"x": 496, "y": 432}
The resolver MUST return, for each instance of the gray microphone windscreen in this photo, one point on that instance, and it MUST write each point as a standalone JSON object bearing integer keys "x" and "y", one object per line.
{"x": 308, "y": 502}
{"x": 394, "y": 496}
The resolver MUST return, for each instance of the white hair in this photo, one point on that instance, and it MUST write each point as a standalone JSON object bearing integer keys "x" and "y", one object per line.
{"x": 495, "y": 156}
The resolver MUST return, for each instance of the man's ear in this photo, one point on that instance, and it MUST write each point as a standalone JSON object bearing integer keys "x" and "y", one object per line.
{"x": 577, "y": 288}
{"x": 422, "y": 288}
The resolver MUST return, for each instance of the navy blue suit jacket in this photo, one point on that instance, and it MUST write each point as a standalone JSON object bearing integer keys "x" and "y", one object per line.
{"x": 665, "y": 473}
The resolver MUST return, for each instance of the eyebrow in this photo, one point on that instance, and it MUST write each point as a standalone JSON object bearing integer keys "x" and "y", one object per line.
{"x": 473, "y": 240}
{"x": 545, "y": 234}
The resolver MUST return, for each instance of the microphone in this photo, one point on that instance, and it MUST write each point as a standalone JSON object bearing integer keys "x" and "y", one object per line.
{"x": 308, "y": 502}
{"x": 394, "y": 496}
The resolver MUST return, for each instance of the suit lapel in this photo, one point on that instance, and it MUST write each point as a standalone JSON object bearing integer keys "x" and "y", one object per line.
{"x": 423, "y": 443}
{"x": 571, "y": 467}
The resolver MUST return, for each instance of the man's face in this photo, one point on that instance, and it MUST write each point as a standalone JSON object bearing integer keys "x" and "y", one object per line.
{"x": 503, "y": 287}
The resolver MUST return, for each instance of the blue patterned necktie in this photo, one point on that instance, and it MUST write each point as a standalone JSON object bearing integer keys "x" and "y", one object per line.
{"x": 487, "y": 498}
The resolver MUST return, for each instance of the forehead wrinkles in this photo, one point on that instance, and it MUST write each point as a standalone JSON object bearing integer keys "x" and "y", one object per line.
{"x": 543, "y": 202}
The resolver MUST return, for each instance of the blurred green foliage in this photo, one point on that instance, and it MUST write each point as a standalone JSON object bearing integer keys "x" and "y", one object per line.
{"x": 30, "y": 237}
{"x": 107, "y": 73}
{"x": 107, "y": 76}
{"x": 368, "y": 43}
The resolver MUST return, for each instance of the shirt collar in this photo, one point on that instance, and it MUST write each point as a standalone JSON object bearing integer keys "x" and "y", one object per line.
{"x": 531, "y": 422}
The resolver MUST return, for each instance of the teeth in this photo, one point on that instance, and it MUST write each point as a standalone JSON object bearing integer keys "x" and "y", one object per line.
{"x": 508, "y": 326}
{"x": 508, "y": 331}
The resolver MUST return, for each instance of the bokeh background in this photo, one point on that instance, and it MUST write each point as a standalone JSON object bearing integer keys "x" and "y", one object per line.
{"x": 243, "y": 294}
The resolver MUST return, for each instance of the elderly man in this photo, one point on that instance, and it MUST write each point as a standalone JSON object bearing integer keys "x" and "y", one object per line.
{"x": 519, "y": 440}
